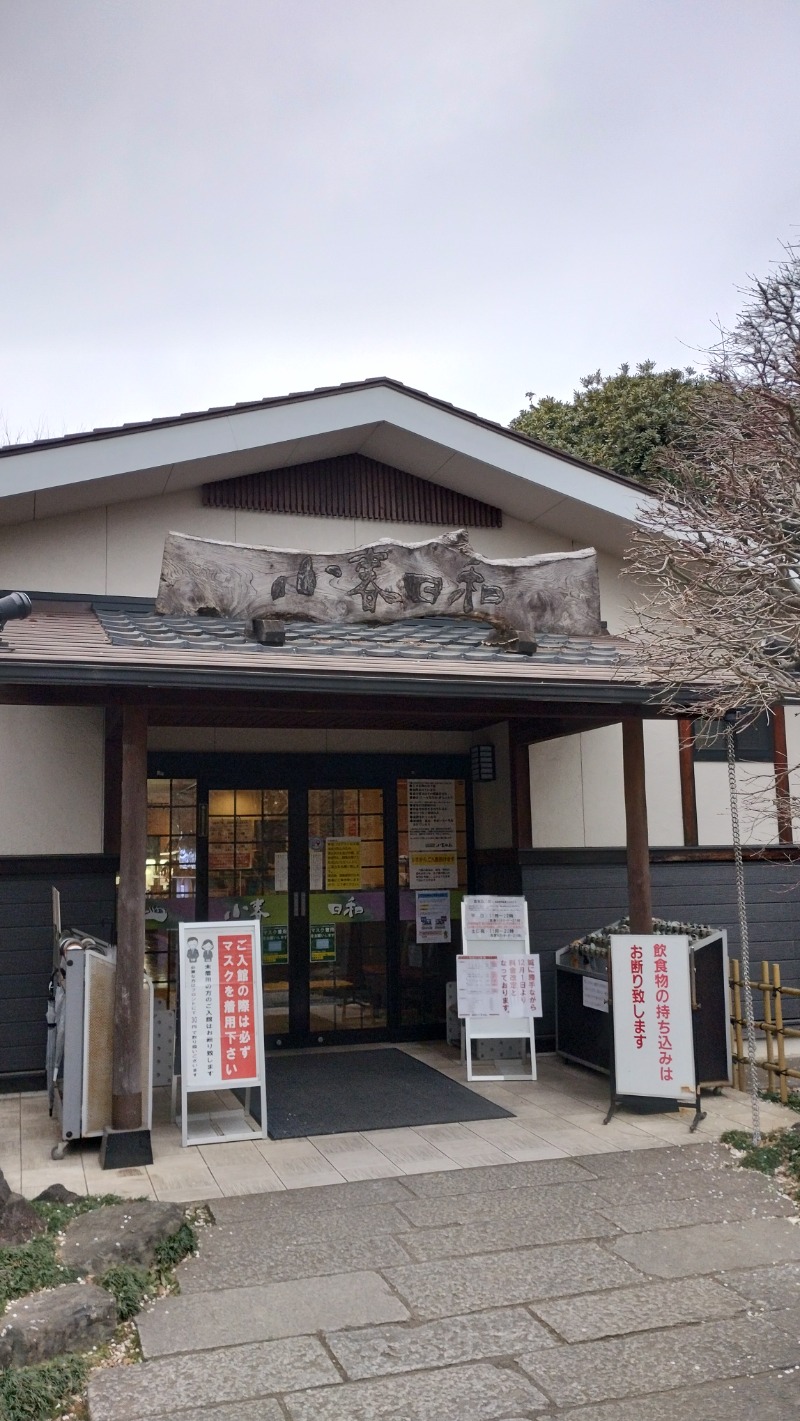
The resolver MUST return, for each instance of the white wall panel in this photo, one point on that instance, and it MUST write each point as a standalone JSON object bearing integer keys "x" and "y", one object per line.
{"x": 51, "y": 788}
{"x": 557, "y": 794}
{"x": 603, "y": 794}
{"x": 65, "y": 554}
{"x": 792, "y": 714}
{"x": 136, "y": 533}
{"x": 663, "y": 783}
{"x": 756, "y": 789}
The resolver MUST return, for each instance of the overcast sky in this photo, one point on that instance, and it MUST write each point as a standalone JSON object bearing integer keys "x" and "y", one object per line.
{"x": 207, "y": 201}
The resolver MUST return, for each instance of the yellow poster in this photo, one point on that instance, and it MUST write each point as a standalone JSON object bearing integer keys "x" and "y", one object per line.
{"x": 342, "y": 864}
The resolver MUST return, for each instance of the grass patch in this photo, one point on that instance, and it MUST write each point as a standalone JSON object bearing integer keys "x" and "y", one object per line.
{"x": 57, "y": 1216}
{"x": 779, "y": 1152}
{"x": 29, "y": 1267}
{"x": 130, "y": 1286}
{"x": 46, "y": 1391}
{"x": 172, "y": 1250}
{"x": 39, "y": 1393}
{"x": 792, "y": 1100}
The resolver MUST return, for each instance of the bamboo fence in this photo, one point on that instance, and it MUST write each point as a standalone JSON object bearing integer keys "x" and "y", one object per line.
{"x": 776, "y": 1034}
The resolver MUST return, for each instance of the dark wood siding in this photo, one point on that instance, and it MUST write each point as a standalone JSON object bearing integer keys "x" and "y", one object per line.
{"x": 566, "y": 900}
{"x": 352, "y": 486}
{"x": 26, "y": 948}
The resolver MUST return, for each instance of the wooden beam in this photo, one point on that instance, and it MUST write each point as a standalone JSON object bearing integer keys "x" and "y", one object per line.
{"x": 640, "y": 907}
{"x": 783, "y": 792}
{"x": 522, "y": 826}
{"x": 688, "y": 783}
{"x": 126, "y": 1088}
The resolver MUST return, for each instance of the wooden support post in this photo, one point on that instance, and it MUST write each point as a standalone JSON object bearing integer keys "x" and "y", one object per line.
{"x": 738, "y": 1039}
{"x": 522, "y": 827}
{"x": 783, "y": 1084}
{"x": 126, "y": 1089}
{"x": 783, "y": 793}
{"x": 640, "y": 908}
{"x": 688, "y": 785}
{"x": 765, "y": 987}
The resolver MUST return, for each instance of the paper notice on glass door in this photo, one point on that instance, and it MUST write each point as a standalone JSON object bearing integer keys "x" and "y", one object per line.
{"x": 342, "y": 864}
{"x": 316, "y": 864}
{"x": 281, "y": 872}
{"x": 432, "y": 842}
{"x": 433, "y": 917}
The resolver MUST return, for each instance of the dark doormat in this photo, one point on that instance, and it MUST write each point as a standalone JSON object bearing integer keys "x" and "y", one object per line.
{"x": 333, "y": 1092}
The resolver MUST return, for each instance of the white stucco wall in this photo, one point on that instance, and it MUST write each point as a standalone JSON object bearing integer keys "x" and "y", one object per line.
{"x": 756, "y": 797}
{"x": 117, "y": 549}
{"x": 792, "y": 714}
{"x": 577, "y": 794}
{"x": 51, "y": 787}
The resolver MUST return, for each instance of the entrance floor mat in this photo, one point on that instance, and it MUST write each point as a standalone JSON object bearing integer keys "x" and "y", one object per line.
{"x": 332, "y": 1093}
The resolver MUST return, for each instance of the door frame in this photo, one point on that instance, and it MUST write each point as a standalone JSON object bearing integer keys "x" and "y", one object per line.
{"x": 299, "y": 772}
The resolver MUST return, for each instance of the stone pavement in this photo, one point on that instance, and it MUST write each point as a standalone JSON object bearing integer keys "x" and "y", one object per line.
{"x": 558, "y": 1116}
{"x": 609, "y": 1287}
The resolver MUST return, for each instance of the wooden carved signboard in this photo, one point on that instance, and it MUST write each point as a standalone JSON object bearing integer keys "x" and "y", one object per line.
{"x": 385, "y": 581}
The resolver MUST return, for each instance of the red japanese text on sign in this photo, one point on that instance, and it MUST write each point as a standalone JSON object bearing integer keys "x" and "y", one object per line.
{"x": 637, "y": 995}
{"x": 238, "y": 1056}
{"x": 663, "y": 1015}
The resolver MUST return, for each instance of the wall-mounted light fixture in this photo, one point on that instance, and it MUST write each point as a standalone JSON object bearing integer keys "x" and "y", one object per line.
{"x": 483, "y": 766}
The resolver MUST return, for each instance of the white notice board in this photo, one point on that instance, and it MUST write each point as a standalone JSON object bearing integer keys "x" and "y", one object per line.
{"x": 222, "y": 1019}
{"x": 488, "y": 918}
{"x": 499, "y": 986}
{"x": 652, "y": 1001}
{"x": 495, "y": 928}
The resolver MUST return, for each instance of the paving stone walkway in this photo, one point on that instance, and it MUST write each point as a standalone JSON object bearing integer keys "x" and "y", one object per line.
{"x": 614, "y": 1287}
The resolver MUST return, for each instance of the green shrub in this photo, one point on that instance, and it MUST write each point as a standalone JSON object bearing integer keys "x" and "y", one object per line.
{"x": 130, "y": 1287}
{"x": 39, "y": 1393}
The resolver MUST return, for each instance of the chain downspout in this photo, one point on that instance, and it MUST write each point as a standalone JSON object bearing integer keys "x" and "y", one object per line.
{"x": 743, "y": 934}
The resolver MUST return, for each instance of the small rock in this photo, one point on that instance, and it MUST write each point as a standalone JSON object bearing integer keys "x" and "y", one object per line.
{"x": 119, "y": 1233}
{"x": 71, "y": 1318}
{"x": 19, "y": 1221}
{"x": 57, "y": 1194}
{"x": 5, "y": 1189}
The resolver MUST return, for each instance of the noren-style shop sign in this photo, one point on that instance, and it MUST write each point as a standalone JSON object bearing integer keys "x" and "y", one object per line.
{"x": 221, "y": 1007}
{"x": 652, "y": 1002}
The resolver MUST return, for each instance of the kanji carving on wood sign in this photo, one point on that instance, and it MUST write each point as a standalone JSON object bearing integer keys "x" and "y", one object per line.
{"x": 385, "y": 581}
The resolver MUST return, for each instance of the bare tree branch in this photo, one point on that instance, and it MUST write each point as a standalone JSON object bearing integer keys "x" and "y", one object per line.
{"x": 719, "y": 550}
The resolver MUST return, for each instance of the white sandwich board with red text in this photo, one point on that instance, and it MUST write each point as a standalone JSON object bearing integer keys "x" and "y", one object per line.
{"x": 652, "y": 1002}
{"x": 222, "y": 1026}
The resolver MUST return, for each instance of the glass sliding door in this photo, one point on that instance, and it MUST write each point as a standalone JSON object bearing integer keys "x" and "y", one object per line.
{"x": 248, "y": 877}
{"x": 170, "y": 877}
{"x": 346, "y": 911}
{"x": 427, "y": 967}
{"x": 332, "y": 854}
